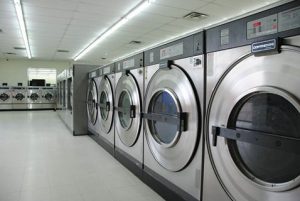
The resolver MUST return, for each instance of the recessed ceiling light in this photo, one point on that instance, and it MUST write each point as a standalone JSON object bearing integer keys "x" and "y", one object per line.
{"x": 9, "y": 53}
{"x": 195, "y": 16}
{"x": 123, "y": 20}
{"x": 103, "y": 58}
{"x": 1, "y": 31}
{"x": 22, "y": 25}
{"x": 63, "y": 51}
{"x": 135, "y": 42}
{"x": 19, "y": 48}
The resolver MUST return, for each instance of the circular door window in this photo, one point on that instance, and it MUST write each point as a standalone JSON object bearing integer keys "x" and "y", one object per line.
{"x": 172, "y": 121}
{"x": 34, "y": 96}
{"x": 103, "y": 101}
{"x": 4, "y": 96}
{"x": 91, "y": 102}
{"x": 124, "y": 114}
{"x": 48, "y": 96}
{"x": 163, "y": 103}
{"x": 19, "y": 96}
{"x": 267, "y": 114}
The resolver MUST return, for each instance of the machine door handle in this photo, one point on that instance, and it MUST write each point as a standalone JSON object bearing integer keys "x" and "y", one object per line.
{"x": 179, "y": 119}
{"x": 131, "y": 110}
{"x": 274, "y": 141}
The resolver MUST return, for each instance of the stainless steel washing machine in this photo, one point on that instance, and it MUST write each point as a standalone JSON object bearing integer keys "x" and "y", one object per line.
{"x": 128, "y": 108}
{"x": 106, "y": 107}
{"x": 34, "y": 97}
{"x": 173, "y": 115}
{"x": 253, "y": 121}
{"x": 19, "y": 97}
{"x": 5, "y": 98}
{"x": 92, "y": 103}
{"x": 74, "y": 86}
{"x": 48, "y": 97}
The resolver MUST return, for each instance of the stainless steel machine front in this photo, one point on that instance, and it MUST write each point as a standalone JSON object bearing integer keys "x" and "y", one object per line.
{"x": 49, "y": 97}
{"x": 5, "y": 98}
{"x": 19, "y": 97}
{"x": 92, "y": 102}
{"x": 173, "y": 115}
{"x": 253, "y": 119}
{"x": 106, "y": 107}
{"x": 128, "y": 108}
{"x": 73, "y": 90}
{"x": 34, "y": 97}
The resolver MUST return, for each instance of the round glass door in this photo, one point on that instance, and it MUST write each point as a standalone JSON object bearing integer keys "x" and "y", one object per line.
{"x": 103, "y": 110}
{"x": 172, "y": 121}
{"x": 268, "y": 114}
{"x": 128, "y": 119}
{"x": 125, "y": 102}
{"x": 19, "y": 96}
{"x": 163, "y": 103}
{"x": 34, "y": 96}
{"x": 92, "y": 102}
{"x": 4, "y": 97}
{"x": 106, "y": 102}
{"x": 48, "y": 96}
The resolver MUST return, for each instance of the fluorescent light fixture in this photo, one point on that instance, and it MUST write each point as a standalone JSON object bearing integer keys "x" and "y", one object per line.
{"x": 22, "y": 25}
{"x": 131, "y": 14}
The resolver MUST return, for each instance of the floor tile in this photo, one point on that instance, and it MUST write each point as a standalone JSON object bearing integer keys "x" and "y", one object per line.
{"x": 42, "y": 161}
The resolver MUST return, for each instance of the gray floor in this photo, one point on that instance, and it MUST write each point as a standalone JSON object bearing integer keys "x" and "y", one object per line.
{"x": 41, "y": 161}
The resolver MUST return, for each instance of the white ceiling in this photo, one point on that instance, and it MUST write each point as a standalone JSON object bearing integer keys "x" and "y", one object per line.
{"x": 72, "y": 24}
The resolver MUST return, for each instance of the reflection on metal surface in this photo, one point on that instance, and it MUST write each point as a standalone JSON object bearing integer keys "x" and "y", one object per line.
{"x": 266, "y": 113}
{"x": 106, "y": 101}
{"x": 128, "y": 121}
{"x": 163, "y": 103}
{"x": 252, "y": 96}
{"x": 92, "y": 98}
{"x": 124, "y": 115}
{"x": 170, "y": 91}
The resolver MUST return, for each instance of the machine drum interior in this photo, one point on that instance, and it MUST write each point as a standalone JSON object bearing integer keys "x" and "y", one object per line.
{"x": 268, "y": 114}
{"x": 163, "y": 103}
{"x": 34, "y": 96}
{"x": 19, "y": 96}
{"x": 4, "y": 97}
{"x": 48, "y": 96}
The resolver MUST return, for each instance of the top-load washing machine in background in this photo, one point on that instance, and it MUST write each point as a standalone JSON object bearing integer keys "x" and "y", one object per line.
{"x": 19, "y": 97}
{"x": 128, "y": 116}
{"x": 92, "y": 103}
{"x": 253, "y": 112}
{"x": 48, "y": 97}
{"x": 5, "y": 98}
{"x": 106, "y": 108}
{"x": 34, "y": 97}
{"x": 173, "y": 117}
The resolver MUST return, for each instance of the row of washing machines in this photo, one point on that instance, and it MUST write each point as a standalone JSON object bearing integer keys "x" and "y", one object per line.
{"x": 71, "y": 97}
{"x": 214, "y": 116}
{"x": 19, "y": 98}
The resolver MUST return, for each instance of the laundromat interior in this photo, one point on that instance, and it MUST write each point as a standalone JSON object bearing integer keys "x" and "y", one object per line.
{"x": 149, "y": 100}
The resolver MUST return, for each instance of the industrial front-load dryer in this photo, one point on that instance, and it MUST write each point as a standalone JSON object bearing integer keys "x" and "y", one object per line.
{"x": 173, "y": 115}
{"x": 253, "y": 111}
{"x": 5, "y": 98}
{"x": 128, "y": 108}
{"x": 106, "y": 108}
{"x": 19, "y": 97}
{"x": 33, "y": 97}
{"x": 48, "y": 97}
{"x": 92, "y": 103}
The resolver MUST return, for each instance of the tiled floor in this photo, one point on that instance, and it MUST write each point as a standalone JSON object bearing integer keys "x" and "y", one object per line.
{"x": 41, "y": 161}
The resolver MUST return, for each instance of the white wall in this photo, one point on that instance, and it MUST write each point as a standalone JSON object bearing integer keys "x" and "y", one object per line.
{"x": 14, "y": 71}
